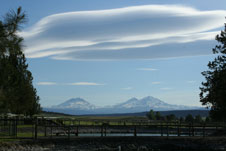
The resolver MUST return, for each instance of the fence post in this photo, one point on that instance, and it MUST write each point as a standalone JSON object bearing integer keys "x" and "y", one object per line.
{"x": 45, "y": 128}
{"x": 167, "y": 130}
{"x": 161, "y": 129}
{"x": 178, "y": 129}
{"x": 189, "y": 129}
{"x": 36, "y": 127}
{"x": 5, "y": 120}
{"x": 51, "y": 130}
{"x": 102, "y": 129}
{"x": 8, "y": 122}
{"x": 105, "y": 132}
{"x": 193, "y": 129}
{"x": 135, "y": 131}
{"x": 203, "y": 130}
{"x": 16, "y": 122}
{"x": 69, "y": 132}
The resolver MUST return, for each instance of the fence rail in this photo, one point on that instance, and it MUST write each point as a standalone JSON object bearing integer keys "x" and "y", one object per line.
{"x": 35, "y": 128}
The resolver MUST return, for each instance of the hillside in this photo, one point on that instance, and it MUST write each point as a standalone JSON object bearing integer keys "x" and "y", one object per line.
{"x": 177, "y": 113}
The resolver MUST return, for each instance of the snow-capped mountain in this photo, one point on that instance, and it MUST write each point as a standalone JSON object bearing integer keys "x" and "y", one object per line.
{"x": 79, "y": 106}
{"x": 76, "y": 103}
{"x": 149, "y": 102}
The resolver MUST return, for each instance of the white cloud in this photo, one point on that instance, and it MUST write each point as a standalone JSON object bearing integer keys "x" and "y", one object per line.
{"x": 156, "y": 82}
{"x": 147, "y": 69}
{"x": 166, "y": 88}
{"x": 85, "y": 84}
{"x": 76, "y": 83}
{"x": 140, "y": 32}
{"x": 191, "y": 81}
{"x": 127, "y": 88}
{"x": 46, "y": 83}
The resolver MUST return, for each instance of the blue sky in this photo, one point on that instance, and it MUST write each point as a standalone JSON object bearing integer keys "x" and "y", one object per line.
{"x": 109, "y": 51}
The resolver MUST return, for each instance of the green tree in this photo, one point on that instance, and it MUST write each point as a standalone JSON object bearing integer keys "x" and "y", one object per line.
{"x": 207, "y": 119}
{"x": 198, "y": 119}
{"x": 189, "y": 118}
{"x": 151, "y": 115}
{"x": 17, "y": 94}
{"x": 171, "y": 117}
{"x": 213, "y": 90}
{"x": 158, "y": 116}
{"x": 181, "y": 119}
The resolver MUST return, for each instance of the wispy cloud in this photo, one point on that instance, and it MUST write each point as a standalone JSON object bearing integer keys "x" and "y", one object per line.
{"x": 166, "y": 88}
{"x": 147, "y": 69}
{"x": 46, "y": 83}
{"x": 85, "y": 84}
{"x": 156, "y": 82}
{"x": 127, "y": 88}
{"x": 76, "y": 83}
{"x": 139, "y": 32}
{"x": 191, "y": 81}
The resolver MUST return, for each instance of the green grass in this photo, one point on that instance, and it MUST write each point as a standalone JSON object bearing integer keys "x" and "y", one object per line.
{"x": 24, "y": 126}
{"x": 99, "y": 120}
{"x": 28, "y": 135}
{"x": 24, "y": 135}
{"x": 8, "y": 140}
{"x": 77, "y": 117}
{"x": 94, "y": 120}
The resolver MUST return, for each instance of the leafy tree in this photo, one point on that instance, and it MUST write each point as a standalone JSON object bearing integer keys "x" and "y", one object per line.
{"x": 158, "y": 116}
{"x": 181, "y": 119}
{"x": 171, "y": 117}
{"x": 189, "y": 118}
{"x": 151, "y": 115}
{"x": 213, "y": 91}
{"x": 207, "y": 119}
{"x": 198, "y": 119}
{"x": 17, "y": 94}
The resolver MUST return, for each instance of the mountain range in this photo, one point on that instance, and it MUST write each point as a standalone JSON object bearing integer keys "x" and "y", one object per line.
{"x": 79, "y": 106}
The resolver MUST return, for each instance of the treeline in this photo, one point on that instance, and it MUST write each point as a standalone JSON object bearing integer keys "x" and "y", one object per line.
{"x": 156, "y": 116}
{"x": 17, "y": 94}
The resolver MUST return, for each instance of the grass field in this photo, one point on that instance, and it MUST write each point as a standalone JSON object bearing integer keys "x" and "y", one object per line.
{"x": 93, "y": 120}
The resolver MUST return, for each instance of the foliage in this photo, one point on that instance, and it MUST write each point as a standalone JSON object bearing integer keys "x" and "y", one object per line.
{"x": 171, "y": 117}
{"x": 198, "y": 119}
{"x": 158, "y": 116}
{"x": 189, "y": 118}
{"x": 213, "y": 91}
{"x": 208, "y": 119}
{"x": 17, "y": 94}
{"x": 151, "y": 115}
{"x": 181, "y": 119}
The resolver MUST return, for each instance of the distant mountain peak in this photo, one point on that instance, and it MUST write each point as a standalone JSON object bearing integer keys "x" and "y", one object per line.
{"x": 76, "y": 103}
{"x": 81, "y": 106}
{"x": 149, "y": 97}
{"x": 75, "y": 100}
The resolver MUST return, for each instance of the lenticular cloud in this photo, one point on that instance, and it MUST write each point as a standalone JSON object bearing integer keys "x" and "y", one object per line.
{"x": 141, "y": 32}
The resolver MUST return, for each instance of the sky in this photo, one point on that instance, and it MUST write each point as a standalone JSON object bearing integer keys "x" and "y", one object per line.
{"x": 107, "y": 52}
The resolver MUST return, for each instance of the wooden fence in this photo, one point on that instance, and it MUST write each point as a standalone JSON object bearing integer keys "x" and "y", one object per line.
{"x": 37, "y": 128}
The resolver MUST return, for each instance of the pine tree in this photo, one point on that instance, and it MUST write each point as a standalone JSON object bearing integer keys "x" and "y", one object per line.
{"x": 213, "y": 91}
{"x": 151, "y": 115}
{"x": 17, "y": 94}
{"x": 158, "y": 116}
